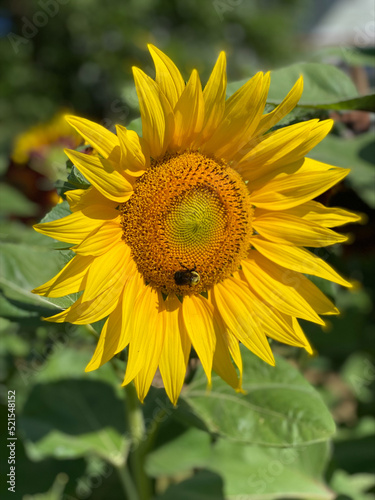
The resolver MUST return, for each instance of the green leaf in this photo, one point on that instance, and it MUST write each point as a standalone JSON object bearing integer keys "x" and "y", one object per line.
{"x": 29, "y": 260}
{"x": 73, "y": 418}
{"x": 251, "y": 472}
{"x": 280, "y": 408}
{"x": 325, "y": 87}
{"x": 356, "y": 153}
{"x": 58, "y": 212}
{"x": 204, "y": 485}
{"x": 13, "y": 202}
{"x": 190, "y": 450}
{"x": 56, "y": 492}
{"x": 354, "y": 486}
{"x": 76, "y": 179}
{"x": 352, "y": 56}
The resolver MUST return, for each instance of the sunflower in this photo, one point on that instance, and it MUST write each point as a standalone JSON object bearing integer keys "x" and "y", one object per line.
{"x": 193, "y": 235}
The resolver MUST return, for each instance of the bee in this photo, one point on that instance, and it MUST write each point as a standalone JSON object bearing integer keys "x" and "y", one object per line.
{"x": 186, "y": 276}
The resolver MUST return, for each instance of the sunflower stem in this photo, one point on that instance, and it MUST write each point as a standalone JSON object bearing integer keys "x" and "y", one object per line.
{"x": 127, "y": 482}
{"x": 136, "y": 428}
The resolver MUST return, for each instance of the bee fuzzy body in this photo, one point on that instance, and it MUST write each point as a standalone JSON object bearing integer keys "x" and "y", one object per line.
{"x": 186, "y": 276}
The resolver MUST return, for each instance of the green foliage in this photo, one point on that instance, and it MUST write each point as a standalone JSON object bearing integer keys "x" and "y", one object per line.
{"x": 246, "y": 471}
{"x": 276, "y": 441}
{"x": 279, "y": 407}
{"x": 356, "y": 153}
{"x": 325, "y": 87}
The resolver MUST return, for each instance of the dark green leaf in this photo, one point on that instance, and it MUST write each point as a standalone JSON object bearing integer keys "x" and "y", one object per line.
{"x": 76, "y": 179}
{"x": 204, "y": 485}
{"x": 280, "y": 408}
{"x": 249, "y": 472}
{"x": 72, "y": 418}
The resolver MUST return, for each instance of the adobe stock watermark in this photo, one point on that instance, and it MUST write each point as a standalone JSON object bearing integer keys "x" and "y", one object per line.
{"x": 30, "y": 27}
{"x": 224, "y": 6}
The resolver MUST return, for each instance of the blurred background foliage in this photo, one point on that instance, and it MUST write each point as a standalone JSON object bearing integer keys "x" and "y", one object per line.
{"x": 60, "y": 55}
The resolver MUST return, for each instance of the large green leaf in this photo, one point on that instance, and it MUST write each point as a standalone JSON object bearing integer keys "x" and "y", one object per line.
{"x": 27, "y": 260}
{"x": 280, "y": 408}
{"x": 356, "y": 153}
{"x": 251, "y": 472}
{"x": 325, "y": 87}
{"x": 23, "y": 268}
{"x": 204, "y": 485}
{"x": 72, "y": 418}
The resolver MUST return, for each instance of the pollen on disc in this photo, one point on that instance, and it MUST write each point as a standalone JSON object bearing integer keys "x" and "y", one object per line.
{"x": 192, "y": 210}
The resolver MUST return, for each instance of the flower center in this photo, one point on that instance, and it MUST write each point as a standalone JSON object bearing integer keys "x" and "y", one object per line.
{"x": 188, "y": 223}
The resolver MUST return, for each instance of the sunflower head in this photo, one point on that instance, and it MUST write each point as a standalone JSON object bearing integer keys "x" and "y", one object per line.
{"x": 194, "y": 233}
{"x": 188, "y": 211}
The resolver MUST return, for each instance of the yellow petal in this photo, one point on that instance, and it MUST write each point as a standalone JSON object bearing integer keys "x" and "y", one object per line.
{"x": 198, "y": 320}
{"x": 265, "y": 151}
{"x": 69, "y": 280}
{"x": 233, "y": 343}
{"x": 115, "y": 335}
{"x": 108, "y": 340}
{"x": 282, "y": 147}
{"x": 282, "y": 288}
{"x": 106, "y": 270}
{"x": 101, "y": 240}
{"x": 156, "y": 114}
{"x": 297, "y": 259}
{"x": 271, "y": 119}
{"x": 135, "y": 157}
{"x": 134, "y": 286}
{"x": 146, "y": 374}
{"x": 238, "y": 314}
{"x": 241, "y": 116}
{"x": 167, "y": 76}
{"x": 188, "y": 114}
{"x": 318, "y": 133}
{"x": 293, "y": 323}
{"x": 177, "y": 345}
{"x": 222, "y": 363}
{"x": 101, "y": 139}
{"x": 146, "y": 335}
{"x": 300, "y": 333}
{"x": 290, "y": 230}
{"x": 325, "y": 216}
{"x": 292, "y": 190}
{"x": 269, "y": 319}
{"x": 79, "y": 199}
{"x": 84, "y": 312}
{"x": 102, "y": 175}
{"x": 294, "y": 335}
{"x": 214, "y": 99}
{"x": 75, "y": 227}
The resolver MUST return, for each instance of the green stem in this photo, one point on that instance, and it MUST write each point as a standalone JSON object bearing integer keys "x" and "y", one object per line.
{"x": 136, "y": 429}
{"x": 127, "y": 483}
